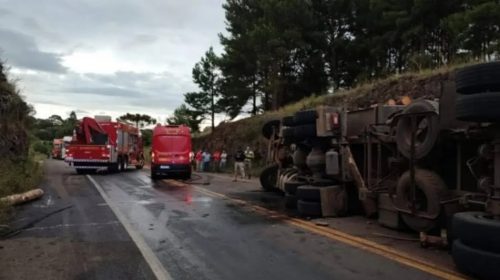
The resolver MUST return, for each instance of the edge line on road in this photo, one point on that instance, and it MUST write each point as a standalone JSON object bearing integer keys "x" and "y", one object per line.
{"x": 357, "y": 242}
{"x": 151, "y": 259}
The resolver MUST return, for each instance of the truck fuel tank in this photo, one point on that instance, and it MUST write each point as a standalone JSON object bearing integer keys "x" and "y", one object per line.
{"x": 332, "y": 163}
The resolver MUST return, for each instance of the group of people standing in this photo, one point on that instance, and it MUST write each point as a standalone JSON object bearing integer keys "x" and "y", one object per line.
{"x": 217, "y": 161}
{"x": 210, "y": 162}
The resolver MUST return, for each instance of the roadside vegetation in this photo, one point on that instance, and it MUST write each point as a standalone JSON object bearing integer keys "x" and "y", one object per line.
{"x": 276, "y": 53}
{"x": 19, "y": 167}
{"x": 247, "y": 132}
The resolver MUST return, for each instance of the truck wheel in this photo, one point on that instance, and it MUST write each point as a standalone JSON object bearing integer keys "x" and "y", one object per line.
{"x": 291, "y": 187}
{"x": 311, "y": 209}
{"x": 479, "y": 263}
{"x": 309, "y": 193}
{"x": 305, "y": 117}
{"x": 478, "y": 107}
{"x": 125, "y": 164}
{"x": 269, "y": 127}
{"x": 268, "y": 178}
{"x": 140, "y": 165}
{"x": 478, "y": 230}
{"x": 113, "y": 168}
{"x": 290, "y": 201}
{"x": 478, "y": 78}
{"x": 430, "y": 190}
{"x": 288, "y": 121}
{"x": 427, "y": 129}
{"x": 304, "y": 131}
{"x": 119, "y": 162}
{"x": 80, "y": 171}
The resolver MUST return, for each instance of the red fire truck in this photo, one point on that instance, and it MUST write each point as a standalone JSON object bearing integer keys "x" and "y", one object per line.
{"x": 170, "y": 151}
{"x": 101, "y": 143}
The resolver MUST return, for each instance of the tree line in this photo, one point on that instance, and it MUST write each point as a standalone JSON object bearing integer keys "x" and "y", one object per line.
{"x": 279, "y": 51}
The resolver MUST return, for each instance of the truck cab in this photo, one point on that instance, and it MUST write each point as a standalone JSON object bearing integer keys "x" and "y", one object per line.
{"x": 170, "y": 150}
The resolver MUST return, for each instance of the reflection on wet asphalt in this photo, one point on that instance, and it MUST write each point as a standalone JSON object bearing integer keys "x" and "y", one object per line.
{"x": 197, "y": 236}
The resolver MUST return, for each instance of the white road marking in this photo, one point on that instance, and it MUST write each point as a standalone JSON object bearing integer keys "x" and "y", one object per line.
{"x": 154, "y": 263}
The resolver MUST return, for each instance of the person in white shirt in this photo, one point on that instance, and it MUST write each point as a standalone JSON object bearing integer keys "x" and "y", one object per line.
{"x": 223, "y": 160}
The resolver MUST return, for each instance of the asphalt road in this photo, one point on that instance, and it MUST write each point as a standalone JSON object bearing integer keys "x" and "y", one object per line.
{"x": 192, "y": 234}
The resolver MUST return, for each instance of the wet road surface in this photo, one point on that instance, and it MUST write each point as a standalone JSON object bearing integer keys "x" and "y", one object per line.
{"x": 194, "y": 235}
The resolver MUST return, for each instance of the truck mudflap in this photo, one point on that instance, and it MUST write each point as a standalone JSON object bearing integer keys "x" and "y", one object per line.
{"x": 87, "y": 163}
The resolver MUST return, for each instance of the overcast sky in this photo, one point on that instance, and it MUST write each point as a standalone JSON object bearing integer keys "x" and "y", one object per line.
{"x": 107, "y": 56}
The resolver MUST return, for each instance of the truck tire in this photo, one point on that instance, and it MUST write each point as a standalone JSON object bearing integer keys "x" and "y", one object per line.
{"x": 479, "y": 263}
{"x": 478, "y": 107}
{"x": 430, "y": 191}
{"x": 291, "y": 187}
{"x": 478, "y": 78}
{"x": 80, "y": 171}
{"x": 290, "y": 201}
{"x": 305, "y": 117}
{"x": 269, "y": 127}
{"x": 304, "y": 131}
{"x": 288, "y": 121}
{"x": 427, "y": 129}
{"x": 268, "y": 177}
{"x": 309, "y": 193}
{"x": 113, "y": 168}
{"x": 309, "y": 209}
{"x": 119, "y": 162}
{"x": 140, "y": 165}
{"x": 478, "y": 230}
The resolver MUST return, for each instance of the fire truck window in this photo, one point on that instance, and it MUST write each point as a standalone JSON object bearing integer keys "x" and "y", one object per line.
{"x": 98, "y": 138}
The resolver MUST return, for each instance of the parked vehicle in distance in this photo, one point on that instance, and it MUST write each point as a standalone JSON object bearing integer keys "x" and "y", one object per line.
{"x": 170, "y": 150}
{"x": 57, "y": 149}
{"x": 102, "y": 143}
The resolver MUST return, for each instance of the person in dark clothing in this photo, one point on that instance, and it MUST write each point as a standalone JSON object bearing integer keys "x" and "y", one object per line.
{"x": 239, "y": 163}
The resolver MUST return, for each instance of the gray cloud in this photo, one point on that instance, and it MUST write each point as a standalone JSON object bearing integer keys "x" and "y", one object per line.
{"x": 105, "y": 91}
{"x": 114, "y": 55}
{"x": 140, "y": 40}
{"x": 22, "y": 51}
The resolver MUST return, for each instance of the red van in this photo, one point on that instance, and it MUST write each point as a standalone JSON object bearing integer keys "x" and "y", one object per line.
{"x": 170, "y": 151}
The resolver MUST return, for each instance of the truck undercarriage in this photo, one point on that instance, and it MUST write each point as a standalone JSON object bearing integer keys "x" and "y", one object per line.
{"x": 432, "y": 166}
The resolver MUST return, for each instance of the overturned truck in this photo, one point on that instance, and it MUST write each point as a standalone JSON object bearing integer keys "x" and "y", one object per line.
{"x": 432, "y": 166}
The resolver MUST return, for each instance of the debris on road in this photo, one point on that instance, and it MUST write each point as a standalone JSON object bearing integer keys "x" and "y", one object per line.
{"x": 22, "y": 197}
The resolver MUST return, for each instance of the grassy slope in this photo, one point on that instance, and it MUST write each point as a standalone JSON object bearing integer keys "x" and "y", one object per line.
{"x": 19, "y": 168}
{"x": 247, "y": 131}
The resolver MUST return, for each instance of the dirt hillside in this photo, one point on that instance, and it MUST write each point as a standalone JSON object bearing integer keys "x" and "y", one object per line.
{"x": 13, "y": 119}
{"x": 247, "y": 132}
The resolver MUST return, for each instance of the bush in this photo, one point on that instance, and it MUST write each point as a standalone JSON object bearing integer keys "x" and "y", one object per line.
{"x": 41, "y": 147}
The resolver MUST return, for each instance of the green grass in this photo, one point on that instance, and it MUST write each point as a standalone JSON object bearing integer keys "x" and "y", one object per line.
{"x": 18, "y": 177}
